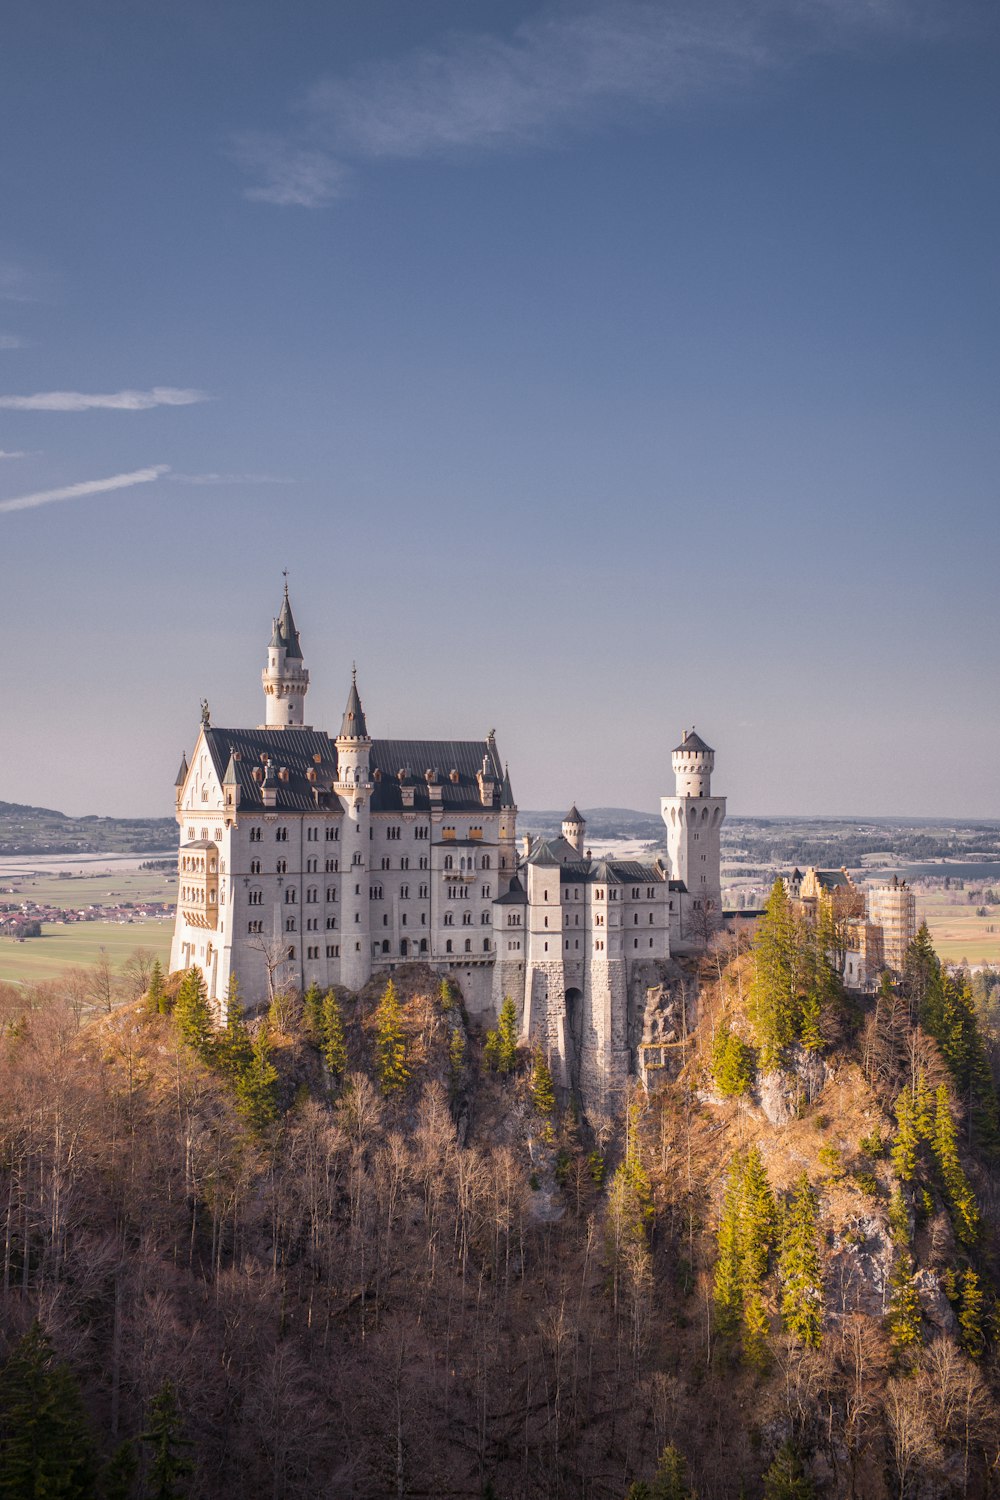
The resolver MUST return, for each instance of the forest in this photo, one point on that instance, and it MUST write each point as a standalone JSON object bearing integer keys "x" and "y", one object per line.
{"x": 359, "y": 1247}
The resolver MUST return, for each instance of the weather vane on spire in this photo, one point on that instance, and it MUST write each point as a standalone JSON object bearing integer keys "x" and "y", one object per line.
{"x": 284, "y": 574}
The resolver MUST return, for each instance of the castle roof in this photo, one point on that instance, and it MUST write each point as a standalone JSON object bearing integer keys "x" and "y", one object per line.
{"x": 574, "y": 816}
{"x": 515, "y": 896}
{"x": 182, "y": 774}
{"x": 285, "y": 633}
{"x": 454, "y": 764}
{"x": 543, "y": 854}
{"x": 354, "y": 726}
{"x": 693, "y": 743}
{"x": 237, "y": 753}
{"x": 506, "y": 793}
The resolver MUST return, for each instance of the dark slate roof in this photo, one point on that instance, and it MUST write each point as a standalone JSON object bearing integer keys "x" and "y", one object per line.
{"x": 693, "y": 742}
{"x": 628, "y": 869}
{"x": 515, "y": 896}
{"x": 231, "y": 777}
{"x": 286, "y": 633}
{"x": 182, "y": 774}
{"x": 198, "y": 844}
{"x": 574, "y": 816}
{"x": 605, "y": 872}
{"x": 293, "y": 749}
{"x": 354, "y": 726}
{"x": 543, "y": 854}
{"x": 678, "y": 885}
{"x": 506, "y": 793}
{"x": 828, "y": 879}
{"x": 416, "y": 757}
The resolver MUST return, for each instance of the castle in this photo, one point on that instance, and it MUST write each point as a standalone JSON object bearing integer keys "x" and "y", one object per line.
{"x": 309, "y": 859}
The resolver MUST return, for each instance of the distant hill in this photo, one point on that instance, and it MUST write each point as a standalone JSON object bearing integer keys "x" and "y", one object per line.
{"x": 43, "y": 830}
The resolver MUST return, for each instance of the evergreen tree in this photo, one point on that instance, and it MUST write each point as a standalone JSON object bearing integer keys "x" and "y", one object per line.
{"x": 745, "y": 1237}
{"x": 170, "y": 1465}
{"x": 543, "y": 1094}
{"x": 773, "y": 997}
{"x": 732, "y": 1062}
{"x": 786, "y": 1478}
{"x": 507, "y": 1037}
{"x": 193, "y": 1014}
{"x": 638, "y": 1491}
{"x": 904, "y": 1316}
{"x": 235, "y": 1048}
{"x": 312, "y": 1013}
{"x": 45, "y": 1446}
{"x": 257, "y": 1086}
{"x": 390, "y": 1043}
{"x": 961, "y": 1199}
{"x": 446, "y": 995}
{"x": 970, "y": 1314}
{"x": 921, "y": 977}
{"x": 491, "y": 1051}
{"x": 456, "y": 1060}
{"x": 119, "y": 1474}
{"x": 155, "y": 1000}
{"x": 670, "y": 1480}
{"x": 904, "y": 1147}
{"x": 899, "y": 1219}
{"x": 799, "y": 1268}
{"x": 334, "y": 1039}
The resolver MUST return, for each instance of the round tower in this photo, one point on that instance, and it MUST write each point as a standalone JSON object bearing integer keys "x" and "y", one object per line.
{"x": 354, "y": 788}
{"x": 285, "y": 679}
{"x": 693, "y": 762}
{"x": 574, "y": 828}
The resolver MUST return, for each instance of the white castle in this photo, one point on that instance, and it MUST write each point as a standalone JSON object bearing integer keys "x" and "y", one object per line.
{"x": 309, "y": 859}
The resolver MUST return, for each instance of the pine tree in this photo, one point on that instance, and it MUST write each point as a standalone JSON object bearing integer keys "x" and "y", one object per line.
{"x": 799, "y": 1268}
{"x": 155, "y": 1001}
{"x": 904, "y": 1147}
{"x": 312, "y": 1013}
{"x": 170, "y": 1465}
{"x": 491, "y": 1051}
{"x": 456, "y": 1060}
{"x": 334, "y": 1040}
{"x": 507, "y": 1037}
{"x": 446, "y": 995}
{"x": 193, "y": 1015}
{"x": 732, "y": 1062}
{"x": 257, "y": 1086}
{"x": 543, "y": 1094}
{"x": 773, "y": 997}
{"x": 904, "y": 1316}
{"x": 45, "y": 1446}
{"x": 961, "y": 1199}
{"x": 235, "y": 1049}
{"x": 745, "y": 1237}
{"x": 786, "y": 1479}
{"x": 972, "y": 1332}
{"x": 727, "y": 1287}
{"x": 390, "y": 1043}
{"x": 921, "y": 977}
{"x": 670, "y": 1480}
{"x": 923, "y": 1109}
{"x": 899, "y": 1219}
{"x": 119, "y": 1473}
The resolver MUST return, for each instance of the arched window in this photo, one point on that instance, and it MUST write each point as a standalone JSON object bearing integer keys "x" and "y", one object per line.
{"x": 486, "y": 945}
{"x": 447, "y": 946}
{"x": 468, "y": 945}
{"x": 385, "y": 946}
{"x": 449, "y": 862}
{"x": 423, "y": 945}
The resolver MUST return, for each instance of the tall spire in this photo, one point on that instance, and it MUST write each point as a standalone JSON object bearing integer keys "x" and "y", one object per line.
{"x": 285, "y": 679}
{"x": 182, "y": 774}
{"x": 285, "y": 629}
{"x": 506, "y": 794}
{"x": 354, "y": 726}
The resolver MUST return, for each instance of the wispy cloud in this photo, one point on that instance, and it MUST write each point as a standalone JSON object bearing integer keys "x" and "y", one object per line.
{"x": 14, "y": 453}
{"x": 18, "y": 284}
{"x": 160, "y": 395}
{"x": 288, "y": 173}
{"x": 568, "y": 68}
{"x": 11, "y": 341}
{"x": 230, "y": 479}
{"x": 88, "y": 487}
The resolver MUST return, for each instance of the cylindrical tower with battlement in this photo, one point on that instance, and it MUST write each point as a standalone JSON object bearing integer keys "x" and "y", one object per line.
{"x": 285, "y": 679}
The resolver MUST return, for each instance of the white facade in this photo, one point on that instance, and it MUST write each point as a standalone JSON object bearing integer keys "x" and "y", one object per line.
{"x": 309, "y": 859}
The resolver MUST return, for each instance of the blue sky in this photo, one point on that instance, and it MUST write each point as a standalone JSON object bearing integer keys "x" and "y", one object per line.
{"x": 595, "y": 370}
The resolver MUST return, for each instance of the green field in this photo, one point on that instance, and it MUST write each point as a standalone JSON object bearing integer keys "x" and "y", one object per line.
{"x": 955, "y": 929}
{"x": 61, "y": 947}
{"x": 88, "y": 890}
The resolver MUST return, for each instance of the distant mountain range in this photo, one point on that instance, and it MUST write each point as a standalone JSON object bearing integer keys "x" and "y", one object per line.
{"x": 42, "y": 830}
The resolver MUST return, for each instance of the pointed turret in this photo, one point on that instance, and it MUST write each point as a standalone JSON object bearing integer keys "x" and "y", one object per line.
{"x": 182, "y": 774}
{"x": 286, "y": 629}
{"x": 354, "y": 726}
{"x": 285, "y": 679}
{"x": 506, "y": 794}
{"x": 232, "y": 776}
{"x": 574, "y": 825}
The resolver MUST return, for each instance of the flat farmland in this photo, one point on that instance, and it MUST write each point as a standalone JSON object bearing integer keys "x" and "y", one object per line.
{"x": 64, "y": 947}
{"x": 955, "y": 929}
{"x": 106, "y": 889}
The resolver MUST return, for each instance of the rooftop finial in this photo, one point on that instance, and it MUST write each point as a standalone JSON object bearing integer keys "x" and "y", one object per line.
{"x": 284, "y": 574}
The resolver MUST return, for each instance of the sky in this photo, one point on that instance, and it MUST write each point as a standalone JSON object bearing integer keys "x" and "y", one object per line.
{"x": 595, "y": 370}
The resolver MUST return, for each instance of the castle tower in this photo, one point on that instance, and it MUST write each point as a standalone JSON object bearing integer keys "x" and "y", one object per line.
{"x": 285, "y": 679}
{"x": 694, "y": 820}
{"x": 574, "y": 828}
{"x": 354, "y": 788}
